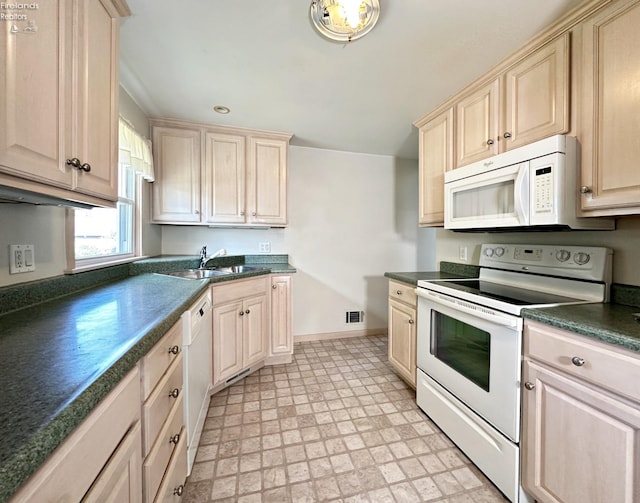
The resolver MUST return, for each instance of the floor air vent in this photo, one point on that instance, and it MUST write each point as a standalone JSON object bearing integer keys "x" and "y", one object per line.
{"x": 354, "y": 317}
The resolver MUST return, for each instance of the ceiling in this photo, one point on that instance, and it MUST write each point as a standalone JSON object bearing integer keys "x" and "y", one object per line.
{"x": 263, "y": 60}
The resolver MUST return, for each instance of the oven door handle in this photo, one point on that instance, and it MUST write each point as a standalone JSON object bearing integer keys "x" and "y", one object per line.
{"x": 480, "y": 312}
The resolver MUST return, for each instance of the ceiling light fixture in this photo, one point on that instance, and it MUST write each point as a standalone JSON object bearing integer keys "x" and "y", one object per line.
{"x": 221, "y": 109}
{"x": 344, "y": 20}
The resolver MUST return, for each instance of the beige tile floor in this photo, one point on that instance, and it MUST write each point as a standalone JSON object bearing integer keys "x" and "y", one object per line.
{"x": 334, "y": 425}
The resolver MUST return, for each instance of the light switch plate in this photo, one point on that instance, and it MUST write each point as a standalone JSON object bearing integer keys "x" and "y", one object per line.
{"x": 21, "y": 259}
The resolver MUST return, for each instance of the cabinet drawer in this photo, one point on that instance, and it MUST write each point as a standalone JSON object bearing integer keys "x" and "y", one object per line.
{"x": 606, "y": 365}
{"x": 157, "y": 361}
{"x": 239, "y": 289}
{"x": 172, "y": 487}
{"x": 160, "y": 403}
{"x": 157, "y": 460}
{"x": 403, "y": 292}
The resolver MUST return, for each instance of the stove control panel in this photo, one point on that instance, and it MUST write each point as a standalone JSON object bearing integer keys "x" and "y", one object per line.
{"x": 583, "y": 262}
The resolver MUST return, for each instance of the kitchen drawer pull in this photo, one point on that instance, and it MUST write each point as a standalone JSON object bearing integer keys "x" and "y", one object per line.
{"x": 178, "y": 490}
{"x": 175, "y": 439}
{"x": 174, "y": 350}
{"x": 577, "y": 361}
{"x": 174, "y": 393}
{"x": 529, "y": 385}
{"x": 398, "y": 292}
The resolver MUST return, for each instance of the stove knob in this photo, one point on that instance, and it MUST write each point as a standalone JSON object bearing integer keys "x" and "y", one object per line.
{"x": 488, "y": 252}
{"x": 563, "y": 255}
{"x": 499, "y": 251}
{"x": 581, "y": 258}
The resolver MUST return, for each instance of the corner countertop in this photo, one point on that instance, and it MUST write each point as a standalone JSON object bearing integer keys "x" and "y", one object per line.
{"x": 611, "y": 323}
{"x": 61, "y": 356}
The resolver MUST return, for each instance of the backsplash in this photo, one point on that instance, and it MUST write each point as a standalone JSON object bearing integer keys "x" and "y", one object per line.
{"x": 627, "y": 295}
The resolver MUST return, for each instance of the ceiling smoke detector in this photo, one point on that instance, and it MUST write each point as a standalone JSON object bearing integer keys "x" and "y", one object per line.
{"x": 344, "y": 20}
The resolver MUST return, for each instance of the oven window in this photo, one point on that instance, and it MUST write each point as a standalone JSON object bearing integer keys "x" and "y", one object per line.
{"x": 463, "y": 347}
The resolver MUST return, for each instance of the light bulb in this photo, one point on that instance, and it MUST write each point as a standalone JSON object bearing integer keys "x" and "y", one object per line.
{"x": 351, "y": 12}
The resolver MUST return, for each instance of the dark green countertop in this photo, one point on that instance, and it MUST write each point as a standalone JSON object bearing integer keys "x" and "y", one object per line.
{"x": 612, "y": 323}
{"x": 60, "y": 357}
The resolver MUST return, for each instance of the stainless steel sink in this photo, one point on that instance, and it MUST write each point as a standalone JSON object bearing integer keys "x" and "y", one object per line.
{"x": 236, "y": 269}
{"x": 195, "y": 273}
{"x": 211, "y": 273}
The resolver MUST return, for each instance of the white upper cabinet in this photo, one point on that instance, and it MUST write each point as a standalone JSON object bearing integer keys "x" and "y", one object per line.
{"x": 59, "y": 101}
{"x": 219, "y": 176}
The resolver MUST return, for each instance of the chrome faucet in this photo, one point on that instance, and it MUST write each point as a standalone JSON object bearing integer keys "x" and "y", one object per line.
{"x": 219, "y": 253}
{"x": 203, "y": 256}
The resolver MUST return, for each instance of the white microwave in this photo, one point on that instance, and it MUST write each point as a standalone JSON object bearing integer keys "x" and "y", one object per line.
{"x": 532, "y": 187}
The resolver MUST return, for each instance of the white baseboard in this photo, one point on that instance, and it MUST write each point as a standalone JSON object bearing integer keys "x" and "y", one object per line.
{"x": 340, "y": 335}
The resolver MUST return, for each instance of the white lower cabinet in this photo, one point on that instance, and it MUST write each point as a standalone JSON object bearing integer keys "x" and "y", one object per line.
{"x": 240, "y": 327}
{"x": 581, "y": 419}
{"x": 100, "y": 459}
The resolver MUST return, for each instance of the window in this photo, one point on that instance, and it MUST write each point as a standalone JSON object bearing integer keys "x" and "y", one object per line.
{"x": 103, "y": 236}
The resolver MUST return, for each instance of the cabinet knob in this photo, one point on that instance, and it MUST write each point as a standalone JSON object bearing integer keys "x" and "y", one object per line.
{"x": 174, "y": 393}
{"x": 253, "y": 213}
{"x": 174, "y": 350}
{"x": 75, "y": 162}
{"x": 529, "y": 385}
{"x": 175, "y": 439}
{"x": 241, "y": 313}
{"x": 398, "y": 292}
{"x": 179, "y": 490}
{"x": 585, "y": 190}
{"x": 411, "y": 322}
{"x": 195, "y": 212}
{"x": 490, "y": 141}
{"x": 247, "y": 312}
{"x": 274, "y": 286}
{"x": 242, "y": 213}
{"x": 507, "y": 134}
{"x": 86, "y": 167}
{"x": 577, "y": 361}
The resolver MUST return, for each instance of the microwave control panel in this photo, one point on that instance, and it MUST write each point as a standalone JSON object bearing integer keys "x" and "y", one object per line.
{"x": 544, "y": 190}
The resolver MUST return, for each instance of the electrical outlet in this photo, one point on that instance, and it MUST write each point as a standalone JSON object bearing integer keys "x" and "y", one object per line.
{"x": 462, "y": 253}
{"x": 21, "y": 259}
{"x": 264, "y": 247}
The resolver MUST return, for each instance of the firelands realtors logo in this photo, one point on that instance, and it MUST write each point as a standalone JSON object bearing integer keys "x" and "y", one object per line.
{"x": 19, "y": 15}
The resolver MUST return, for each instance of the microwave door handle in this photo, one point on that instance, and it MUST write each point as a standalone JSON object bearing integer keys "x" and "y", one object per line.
{"x": 467, "y": 308}
{"x": 521, "y": 195}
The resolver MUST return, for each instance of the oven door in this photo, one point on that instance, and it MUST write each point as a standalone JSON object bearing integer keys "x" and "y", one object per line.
{"x": 498, "y": 198}
{"x": 474, "y": 353}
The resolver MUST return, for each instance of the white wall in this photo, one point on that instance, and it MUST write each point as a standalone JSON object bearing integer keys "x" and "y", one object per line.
{"x": 625, "y": 242}
{"x": 352, "y": 217}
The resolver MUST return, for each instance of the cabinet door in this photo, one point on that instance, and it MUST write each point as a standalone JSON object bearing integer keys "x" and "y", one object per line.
{"x": 402, "y": 339}
{"x": 611, "y": 109}
{"x": 35, "y": 117}
{"x": 176, "y": 191}
{"x": 281, "y": 337}
{"x": 227, "y": 340}
{"x": 224, "y": 186}
{"x": 579, "y": 445}
{"x": 477, "y": 117}
{"x": 537, "y": 96}
{"x": 95, "y": 98}
{"x": 267, "y": 181}
{"x": 436, "y": 157}
{"x": 120, "y": 480}
{"x": 255, "y": 330}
